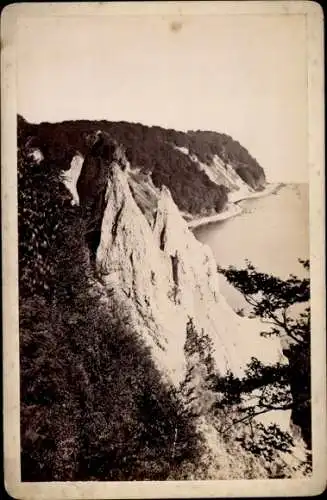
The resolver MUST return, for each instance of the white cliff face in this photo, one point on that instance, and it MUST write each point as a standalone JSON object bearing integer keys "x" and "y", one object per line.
{"x": 222, "y": 173}
{"x": 164, "y": 276}
{"x": 145, "y": 193}
{"x": 70, "y": 177}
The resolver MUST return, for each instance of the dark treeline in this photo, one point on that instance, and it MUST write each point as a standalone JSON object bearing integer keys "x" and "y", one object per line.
{"x": 151, "y": 149}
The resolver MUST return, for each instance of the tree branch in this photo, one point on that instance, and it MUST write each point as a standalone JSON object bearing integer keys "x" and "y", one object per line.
{"x": 252, "y": 416}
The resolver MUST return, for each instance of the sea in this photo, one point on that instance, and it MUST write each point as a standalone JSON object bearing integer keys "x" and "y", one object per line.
{"x": 272, "y": 232}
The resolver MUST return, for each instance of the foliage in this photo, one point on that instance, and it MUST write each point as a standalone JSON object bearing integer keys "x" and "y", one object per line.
{"x": 263, "y": 441}
{"x": 93, "y": 404}
{"x": 199, "y": 344}
{"x": 273, "y": 300}
{"x": 231, "y": 405}
{"x": 47, "y": 226}
{"x": 257, "y": 376}
{"x": 206, "y": 144}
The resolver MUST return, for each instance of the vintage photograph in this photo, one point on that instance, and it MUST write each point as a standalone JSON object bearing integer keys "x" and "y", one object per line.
{"x": 163, "y": 243}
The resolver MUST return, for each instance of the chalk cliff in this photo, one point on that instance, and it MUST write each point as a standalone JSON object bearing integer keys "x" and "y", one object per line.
{"x": 156, "y": 271}
{"x": 221, "y": 173}
{"x": 164, "y": 276}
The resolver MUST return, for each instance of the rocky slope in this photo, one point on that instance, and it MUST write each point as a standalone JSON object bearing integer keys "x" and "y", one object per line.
{"x": 148, "y": 260}
{"x": 146, "y": 257}
{"x": 222, "y": 173}
{"x": 151, "y": 262}
{"x": 162, "y": 276}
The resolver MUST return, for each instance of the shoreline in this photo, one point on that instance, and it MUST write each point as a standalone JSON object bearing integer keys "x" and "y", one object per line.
{"x": 233, "y": 209}
{"x": 270, "y": 189}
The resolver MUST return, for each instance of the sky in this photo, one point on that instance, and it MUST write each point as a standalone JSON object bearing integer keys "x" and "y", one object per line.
{"x": 244, "y": 75}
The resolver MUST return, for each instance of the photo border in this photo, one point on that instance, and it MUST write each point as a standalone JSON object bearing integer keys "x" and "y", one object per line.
{"x": 315, "y": 94}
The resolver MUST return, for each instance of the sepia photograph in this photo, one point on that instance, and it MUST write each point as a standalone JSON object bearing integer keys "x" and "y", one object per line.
{"x": 163, "y": 251}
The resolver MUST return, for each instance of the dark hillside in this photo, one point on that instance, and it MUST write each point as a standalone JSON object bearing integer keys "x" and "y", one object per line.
{"x": 152, "y": 150}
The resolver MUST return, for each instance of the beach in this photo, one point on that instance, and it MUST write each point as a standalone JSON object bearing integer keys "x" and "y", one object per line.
{"x": 233, "y": 209}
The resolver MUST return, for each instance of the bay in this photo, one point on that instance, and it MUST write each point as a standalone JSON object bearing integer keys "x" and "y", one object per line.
{"x": 272, "y": 232}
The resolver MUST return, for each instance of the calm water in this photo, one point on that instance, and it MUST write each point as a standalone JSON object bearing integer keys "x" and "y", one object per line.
{"x": 272, "y": 232}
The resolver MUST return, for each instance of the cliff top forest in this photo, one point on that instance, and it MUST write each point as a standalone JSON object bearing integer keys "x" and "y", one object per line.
{"x": 152, "y": 150}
